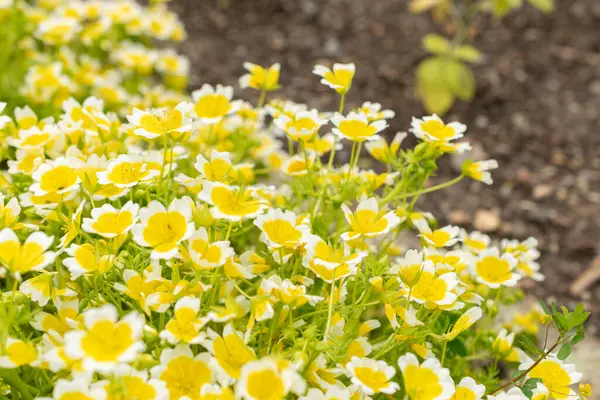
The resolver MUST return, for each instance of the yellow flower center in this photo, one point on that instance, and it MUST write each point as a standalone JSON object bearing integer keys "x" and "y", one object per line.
{"x": 374, "y": 379}
{"x": 235, "y": 204}
{"x": 493, "y": 269}
{"x": 212, "y": 106}
{"x": 107, "y": 341}
{"x": 164, "y": 230}
{"x": 421, "y": 383}
{"x": 438, "y": 130}
{"x": 367, "y": 221}
{"x": 356, "y": 130}
{"x": 265, "y": 385}
{"x": 185, "y": 376}
{"x": 21, "y": 258}
{"x": 128, "y": 172}
{"x": 57, "y": 179}
{"x": 232, "y": 354}
{"x": 113, "y": 222}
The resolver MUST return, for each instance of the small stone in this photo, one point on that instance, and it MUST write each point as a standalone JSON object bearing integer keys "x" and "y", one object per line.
{"x": 542, "y": 191}
{"x": 459, "y": 217}
{"x": 487, "y": 220}
{"x": 524, "y": 176}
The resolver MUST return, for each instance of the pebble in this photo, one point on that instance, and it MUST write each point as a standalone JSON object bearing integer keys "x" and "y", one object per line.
{"x": 542, "y": 191}
{"x": 487, "y": 220}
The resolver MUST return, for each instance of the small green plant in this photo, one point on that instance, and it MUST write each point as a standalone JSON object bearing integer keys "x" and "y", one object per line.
{"x": 446, "y": 75}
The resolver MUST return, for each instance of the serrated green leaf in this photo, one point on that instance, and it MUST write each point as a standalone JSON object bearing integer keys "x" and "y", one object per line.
{"x": 436, "y": 44}
{"x": 564, "y": 351}
{"x": 468, "y": 53}
{"x": 546, "y": 6}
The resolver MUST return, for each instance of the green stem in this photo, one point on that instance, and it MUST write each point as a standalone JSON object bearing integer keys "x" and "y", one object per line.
{"x": 395, "y": 192}
{"x": 329, "y": 313}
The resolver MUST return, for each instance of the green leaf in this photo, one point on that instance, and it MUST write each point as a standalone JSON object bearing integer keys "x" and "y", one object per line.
{"x": 419, "y": 6}
{"x": 546, "y": 6}
{"x": 432, "y": 86}
{"x": 436, "y": 44}
{"x": 529, "y": 385}
{"x": 564, "y": 351}
{"x": 502, "y": 7}
{"x": 468, "y": 53}
{"x": 460, "y": 79}
{"x": 545, "y": 307}
{"x": 579, "y": 336}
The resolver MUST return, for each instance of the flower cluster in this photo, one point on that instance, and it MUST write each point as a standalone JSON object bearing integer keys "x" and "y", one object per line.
{"x": 181, "y": 253}
{"x": 56, "y": 49}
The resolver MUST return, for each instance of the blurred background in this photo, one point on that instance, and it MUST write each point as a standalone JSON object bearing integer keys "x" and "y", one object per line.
{"x": 535, "y": 107}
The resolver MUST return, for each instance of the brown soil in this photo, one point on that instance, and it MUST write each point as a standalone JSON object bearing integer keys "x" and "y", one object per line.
{"x": 536, "y": 111}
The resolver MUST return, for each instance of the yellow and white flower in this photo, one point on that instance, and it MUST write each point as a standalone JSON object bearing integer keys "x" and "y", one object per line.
{"x": 39, "y": 288}
{"x": 430, "y": 288}
{"x": 154, "y": 123}
{"x": 475, "y": 241}
{"x": 303, "y": 125}
{"x": 129, "y": 383}
{"x": 56, "y": 176}
{"x": 374, "y": 112}
{"x": 105, "y": 340}
{"x": 183, "y": 373}
{"x": 109, "y": 222}
{"x": 408, "y": 316}
{"x": 230, "y": 352}
{"x": 124, "y": 172}
{"x": 282, "y": 229}
{"x": 495, "y": 270}
{"x": 206, "y": 254}
{"x": 297, "y": 165}
{"x": 433, "y": 129}
{"x": 163, "y": 229}
{"x": 185, "y": 324}
{"x": 372, "y": 376}
{"x": 78, "y": 388}
{"x": 32, "y": 255}
{"x": 65, "y": 319}
{"x": 444, "y": 237}
{"x": 331, "y": 263}
{"x": 555, "y": 374}
{"x": 503, "y": 346}
{"x": 514, "y": 393}
{"x": 262, "y": 380}
{"x": 261, "y": 78}
{"x": 468, "y": 389}
{"x": 367, "y": 221}
{"x": 339, "y": 78}
{"x": 87, "y": 259}
{"x": 357, "y": 127}
{"x": 380, "y": 150}
{"x": 58, "y": 30}
{"x": 218, "y": 169}
{"x": 479, "y": 170}
{"x": 427, "y": 380}
{"x": 213, "y": 104}
{"x": 15, "y": 353}
{"x": 9, "y": 212}
{"x": 464, "y": 322}
{"x": 231, "y": 202}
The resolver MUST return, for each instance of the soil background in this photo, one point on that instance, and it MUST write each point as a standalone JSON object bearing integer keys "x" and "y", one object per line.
{"x": 536, "y": 110}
